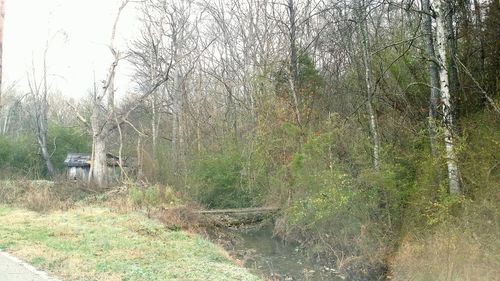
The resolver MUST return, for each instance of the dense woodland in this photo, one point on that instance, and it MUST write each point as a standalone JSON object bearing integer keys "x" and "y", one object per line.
{"x": 372, "y": 124}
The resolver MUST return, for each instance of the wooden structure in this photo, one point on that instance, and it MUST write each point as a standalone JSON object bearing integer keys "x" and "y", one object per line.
{"x": 78, "y": 166}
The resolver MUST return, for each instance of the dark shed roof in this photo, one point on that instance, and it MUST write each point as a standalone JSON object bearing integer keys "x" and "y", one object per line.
{"x": 84, "y": 159}
{"x": 77, "y": 160}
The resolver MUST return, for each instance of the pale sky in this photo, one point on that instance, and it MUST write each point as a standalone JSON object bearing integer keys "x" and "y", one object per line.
{"x": 78, "y": 32}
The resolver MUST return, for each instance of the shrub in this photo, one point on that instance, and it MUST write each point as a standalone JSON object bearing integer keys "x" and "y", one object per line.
{"x": 41, "y": 199}
{"x": 64, "y": 140}
{"x": 38, "y": 196}
{"x": 341, "y": 209}
{"x": 151, "y": 197}
{"x": 464, "y": 247}
{"x": 219, "y": 181}
{"x": 19, "y": 158}
{"x": 337, "y": 222}
{"x": 10, "y": 192}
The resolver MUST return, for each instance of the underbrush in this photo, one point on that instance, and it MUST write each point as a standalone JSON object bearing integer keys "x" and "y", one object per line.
{"x": 156, "y": 201}
{"x": 45, "y": 196}
{"x": 341, "y": 226}
{"x": 183, "y": 217}
{"x": 399, "y": 219}
{"x": 38, "y": 195}
{"x": 461, "y": 248}
{"x": 342, "y": 212}
{"x": 218, "y": 181}
{"x": 455, "y": 237}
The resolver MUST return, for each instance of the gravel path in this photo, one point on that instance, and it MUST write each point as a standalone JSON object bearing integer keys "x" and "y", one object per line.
{"x": 13, "y": 269}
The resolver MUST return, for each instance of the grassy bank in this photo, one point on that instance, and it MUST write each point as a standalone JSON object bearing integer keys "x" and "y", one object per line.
{"x": 95, "y": 243}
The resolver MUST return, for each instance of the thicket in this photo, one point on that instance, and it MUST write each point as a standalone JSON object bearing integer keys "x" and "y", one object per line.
{"x": 308, "y": 150}
{"x": 20, "y": 155}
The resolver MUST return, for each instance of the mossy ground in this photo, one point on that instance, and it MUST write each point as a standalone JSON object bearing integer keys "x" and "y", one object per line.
{"x": 95, "y": 243}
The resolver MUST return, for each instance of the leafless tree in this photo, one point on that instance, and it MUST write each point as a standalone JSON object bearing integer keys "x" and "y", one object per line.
{"x": 39, "y": 91}
{"x": 105, "y": 117}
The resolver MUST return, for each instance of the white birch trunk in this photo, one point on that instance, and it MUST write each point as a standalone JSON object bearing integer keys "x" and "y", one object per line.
{"x": 153, "y": 123}
{"x": 365, "y": 45}
{"x": 441, "y": 40}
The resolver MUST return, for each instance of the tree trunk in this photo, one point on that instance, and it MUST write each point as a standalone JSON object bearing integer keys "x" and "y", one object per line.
{"x": 441, "y": 39}
{"x": 154, "y": 100}
{"x": 176, "y": 121}
{"x": 42, "y": 141}
{"x": 433, "y": 75}
{"x": 479, "y": 32}
{"x": 2, "y": 14}
{"x": 6, "y": 120}
{"x": 294, "y": 72}
{"x": 99, "y": 169}
{"x": 154, "y": 132}
{"x": 100, "y": 124}
{"x": 365, "y": 46}
{"x": 452, "y": 47}
{"x": 40, "y": 110}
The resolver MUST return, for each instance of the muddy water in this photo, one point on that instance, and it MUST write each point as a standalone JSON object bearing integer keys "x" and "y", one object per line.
{"x": 272, "y": 259}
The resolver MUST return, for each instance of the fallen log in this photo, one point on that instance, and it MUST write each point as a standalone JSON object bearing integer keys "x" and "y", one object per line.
{"x": 237, "y": 217}
{"x": 239, "y": 211}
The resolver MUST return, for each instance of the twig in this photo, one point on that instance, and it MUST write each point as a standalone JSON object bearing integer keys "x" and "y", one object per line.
{"x": 490, "y": 100}
{"x": 78, "y": 115}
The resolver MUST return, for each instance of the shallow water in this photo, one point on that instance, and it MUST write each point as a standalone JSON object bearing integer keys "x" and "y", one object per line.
{"x": 272, "y": 259}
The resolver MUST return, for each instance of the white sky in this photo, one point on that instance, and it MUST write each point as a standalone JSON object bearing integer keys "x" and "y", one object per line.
{"x": 78, "y": 32}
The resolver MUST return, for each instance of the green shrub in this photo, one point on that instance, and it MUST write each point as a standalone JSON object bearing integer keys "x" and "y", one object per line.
{"x": 341, "y": 209}
{"x": 339, "y": 220}
{"x": 219, "y": 181}
{"x": 64, "y": 140}
{"x": 136, "y": 195}
{"x": 19, "y": 157}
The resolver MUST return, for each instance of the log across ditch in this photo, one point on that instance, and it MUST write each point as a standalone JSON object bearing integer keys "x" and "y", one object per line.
{"x": 231, "y": 217}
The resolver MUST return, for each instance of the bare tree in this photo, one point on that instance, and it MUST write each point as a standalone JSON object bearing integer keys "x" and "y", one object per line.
{"x": 102, "y": 115}
{"x": 39, "y": 99}
{"x": 105, "y": 117}
{"x": 168, "y": 44}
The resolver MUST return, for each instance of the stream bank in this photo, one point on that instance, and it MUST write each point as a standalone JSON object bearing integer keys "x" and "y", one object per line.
{"x": 255, "y": 247}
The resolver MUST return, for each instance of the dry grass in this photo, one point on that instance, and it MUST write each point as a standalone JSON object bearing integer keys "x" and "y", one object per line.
{"x": 462, "y": 249}
{"x": 183, "y": 217}
{"x": 39, "y": 196}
